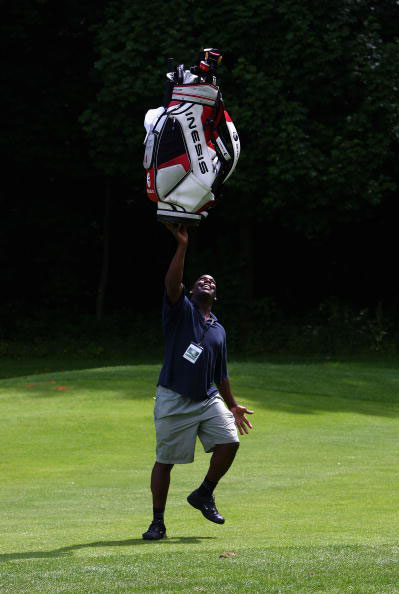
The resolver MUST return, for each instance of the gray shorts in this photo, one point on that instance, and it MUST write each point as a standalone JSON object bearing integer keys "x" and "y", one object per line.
{"x": 179, "y": 420}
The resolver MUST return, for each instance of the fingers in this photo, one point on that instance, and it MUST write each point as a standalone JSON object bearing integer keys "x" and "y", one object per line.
{"x": 241, "y": 428}
{"x": 174, "y": 227}
{"x": 241, "y": 423}
{"x": 248, "y": 423}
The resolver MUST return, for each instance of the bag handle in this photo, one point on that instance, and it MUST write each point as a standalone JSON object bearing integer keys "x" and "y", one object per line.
{"x": 235, "y": 141}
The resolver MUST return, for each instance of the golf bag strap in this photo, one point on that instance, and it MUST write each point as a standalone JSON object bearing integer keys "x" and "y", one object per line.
{"x": 235, "y": 141}
{"x": 220, "y": 147}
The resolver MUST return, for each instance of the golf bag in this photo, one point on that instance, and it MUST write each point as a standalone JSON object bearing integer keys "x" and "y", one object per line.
{"x": 186, "y": 158}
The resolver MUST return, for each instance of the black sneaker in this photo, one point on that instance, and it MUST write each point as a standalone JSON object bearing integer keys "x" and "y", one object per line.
{"x": 206, "y": 505}
{"x": 156, "y": 531}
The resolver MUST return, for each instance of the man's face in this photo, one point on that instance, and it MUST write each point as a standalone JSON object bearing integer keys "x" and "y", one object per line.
{"x": 205, "y": 285}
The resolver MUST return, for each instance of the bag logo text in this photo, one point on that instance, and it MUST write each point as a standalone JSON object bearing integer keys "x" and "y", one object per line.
{"x": 197, "y": 142}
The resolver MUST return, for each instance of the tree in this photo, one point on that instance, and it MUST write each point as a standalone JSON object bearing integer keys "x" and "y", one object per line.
{"x": 313, "y": 87}
{"x": 47, "y": 230}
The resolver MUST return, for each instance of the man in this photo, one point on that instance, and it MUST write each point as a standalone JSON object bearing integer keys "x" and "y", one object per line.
{"x": 188, "y": 403}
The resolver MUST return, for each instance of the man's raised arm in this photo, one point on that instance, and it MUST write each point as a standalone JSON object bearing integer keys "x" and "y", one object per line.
{"x": 174, "y": 275}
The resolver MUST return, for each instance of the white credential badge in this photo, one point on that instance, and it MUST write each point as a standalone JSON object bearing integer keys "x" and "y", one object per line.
{"x": 193, "y": 352}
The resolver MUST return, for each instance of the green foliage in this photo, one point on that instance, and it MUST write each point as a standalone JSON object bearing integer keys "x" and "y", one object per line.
{"x": 47, "y": 58}
{"x": 332, "y": 329}
{"x": 313, "y": 88}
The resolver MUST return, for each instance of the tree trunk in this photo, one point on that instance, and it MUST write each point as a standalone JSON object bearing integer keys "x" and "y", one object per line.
{"x": 247, "y": 280}
{"x": 102, "y": 285}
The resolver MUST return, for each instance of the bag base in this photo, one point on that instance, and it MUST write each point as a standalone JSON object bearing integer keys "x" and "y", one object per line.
{"x": 167, "y": 214}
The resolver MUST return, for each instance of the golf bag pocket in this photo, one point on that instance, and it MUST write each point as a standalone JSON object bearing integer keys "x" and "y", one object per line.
{"x": 150, "y": 142}
{"x": 149, "y": 150}
{"x": 169, "y": 177}
{"x": 190, "y": 194}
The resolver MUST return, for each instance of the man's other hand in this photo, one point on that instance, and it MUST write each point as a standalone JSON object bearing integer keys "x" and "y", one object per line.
{"x": 241, "y": 420}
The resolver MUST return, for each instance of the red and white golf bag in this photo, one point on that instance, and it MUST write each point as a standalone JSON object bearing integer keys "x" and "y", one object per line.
{"x": 185, "y": 158}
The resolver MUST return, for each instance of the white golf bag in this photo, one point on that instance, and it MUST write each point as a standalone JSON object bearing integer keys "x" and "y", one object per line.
{"x": 185, "y": 157}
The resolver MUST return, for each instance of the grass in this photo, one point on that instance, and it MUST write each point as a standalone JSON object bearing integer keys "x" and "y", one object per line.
{"x": 311, "y": 501}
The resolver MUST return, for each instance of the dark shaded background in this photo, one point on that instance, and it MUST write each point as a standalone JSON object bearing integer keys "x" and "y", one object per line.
{"x": 283, "y": 284}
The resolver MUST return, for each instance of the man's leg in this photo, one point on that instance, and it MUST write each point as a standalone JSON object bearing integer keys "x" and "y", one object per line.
{"x": 222, "y": 458}
{"x": 202, "y": 498}
{"x": 160, "y": 480}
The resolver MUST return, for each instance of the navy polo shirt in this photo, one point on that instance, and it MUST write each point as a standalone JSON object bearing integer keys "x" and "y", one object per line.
{"x": 183, "y": 324}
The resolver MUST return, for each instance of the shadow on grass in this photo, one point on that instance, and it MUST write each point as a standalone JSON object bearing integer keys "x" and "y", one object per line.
{"x": 293, "y": 387}
{"x": 64, "y": 551}
{"x": 11, "y": 368}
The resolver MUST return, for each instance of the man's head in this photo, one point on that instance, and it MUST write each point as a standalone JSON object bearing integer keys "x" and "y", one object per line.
{"x": 204, "y": 290}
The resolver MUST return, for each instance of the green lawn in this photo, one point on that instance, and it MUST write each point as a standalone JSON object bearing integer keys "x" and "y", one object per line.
{"x": 311, "y": 503}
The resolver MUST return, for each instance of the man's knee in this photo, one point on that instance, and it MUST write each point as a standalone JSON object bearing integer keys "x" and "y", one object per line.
{"x": 165, "y": 468}
{"x": 234, "y": 446}
{"x": 228, "y": 447}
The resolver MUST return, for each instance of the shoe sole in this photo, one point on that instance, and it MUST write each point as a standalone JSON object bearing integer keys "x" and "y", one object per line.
{"x": 206, "y": 517}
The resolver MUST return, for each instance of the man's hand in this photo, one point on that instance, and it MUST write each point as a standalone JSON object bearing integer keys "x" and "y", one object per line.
{"x": 179, "y": 232}
{"x": 238, "y": 411}
{"x": 240, "y": 418}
